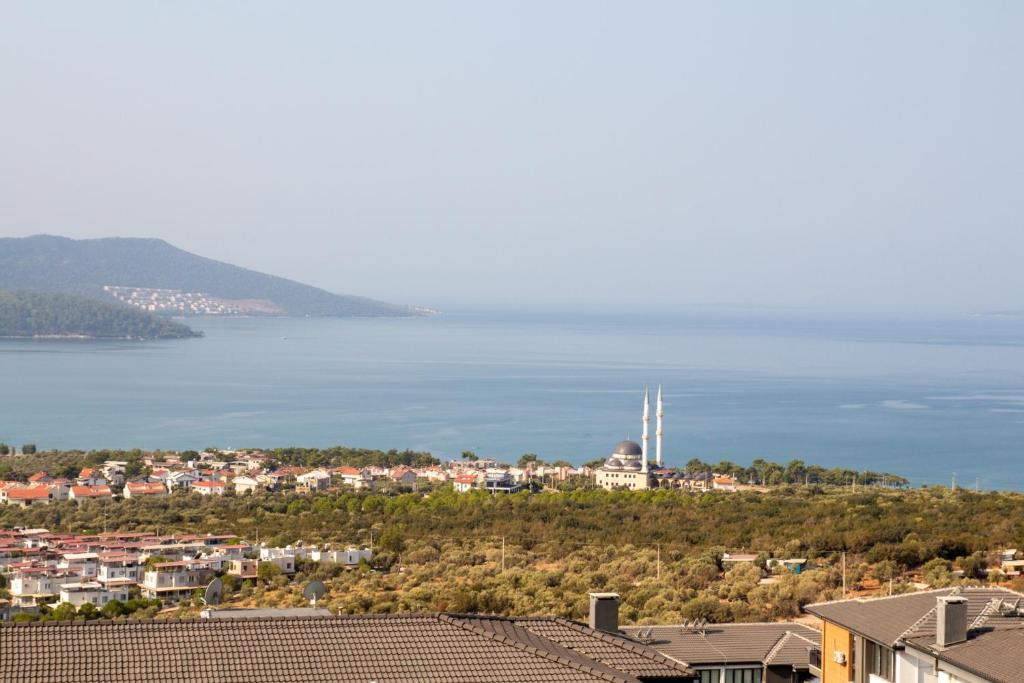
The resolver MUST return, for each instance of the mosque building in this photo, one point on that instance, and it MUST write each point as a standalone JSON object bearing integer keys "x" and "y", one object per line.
{"x": 627, "y": 467}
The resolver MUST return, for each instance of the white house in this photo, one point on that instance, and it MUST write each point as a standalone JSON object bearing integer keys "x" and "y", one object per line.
{"x": 209, "y": 488}
{"x": 314, "y": 480}
{"x": 92, "y": 593}
{"x": 245, "y": 484}
{"x": 181, "y": 480}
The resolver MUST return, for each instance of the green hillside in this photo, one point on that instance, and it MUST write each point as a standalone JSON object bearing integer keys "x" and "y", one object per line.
{"x": 37, "y": 314}
{"x": 84, "y": 267}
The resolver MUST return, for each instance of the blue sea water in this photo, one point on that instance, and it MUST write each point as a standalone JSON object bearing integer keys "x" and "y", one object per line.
{"x": 925, "y": 397}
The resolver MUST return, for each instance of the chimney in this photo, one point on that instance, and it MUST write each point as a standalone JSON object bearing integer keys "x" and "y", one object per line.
{"x": 951, "y": 616}
{"x": 604, "y": 612}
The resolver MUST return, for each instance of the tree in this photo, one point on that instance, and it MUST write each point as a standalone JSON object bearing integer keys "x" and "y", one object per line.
{"x": 113, "y": 609}
{"x": 267, "y": 572}
{"x": 28, "y": 449}
{"x": 392, "y": 540}
{"x": 88, "y": 610}
{"x": 5, "y": 449}
{"x": 470, "y": 456}
{"x": 65, "y": 611}
{"x": 527, "y": 459}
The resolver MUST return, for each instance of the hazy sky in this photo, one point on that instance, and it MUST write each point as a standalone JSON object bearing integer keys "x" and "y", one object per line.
{"x": 857, "y": 154}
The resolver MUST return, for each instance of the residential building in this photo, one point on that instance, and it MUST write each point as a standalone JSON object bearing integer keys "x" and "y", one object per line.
{"x": 32, "y": 586}
{"x": 144, "y": 489}
{"x": 90, "y": 477}
{"x": 118, "y": 569}
{"x": 313, "y": 481}
{"x": 209, "y": 488}
{"x": 499, "y": 481}
{"x": 736, "y": 653}
{"x": 465, "y": 482}
{"x": 23, "y": 496}
{"x": 402, "y": 475}
{"x": 350, "y": 557}
{"x": 866, "y": 640}
{"x": 979, "y": 655}
{"x": 80, "y": 493}
{"x": 243, "y": 569}
{"x": 176, "y": 581}
{"x": 181, "y": 480}
{"x": 246, "y": 484}
{"x": 92, "y": 593}
{"x": 356, "y": 478}
{"x": 284, "y": 558}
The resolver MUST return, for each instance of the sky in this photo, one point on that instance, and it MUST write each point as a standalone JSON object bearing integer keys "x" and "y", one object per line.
{"x": 607, "y": 155}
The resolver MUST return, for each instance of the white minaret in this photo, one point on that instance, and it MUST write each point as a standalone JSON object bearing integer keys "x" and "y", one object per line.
{"x": 645, "y": 437}
{"x": 657, "y": 434}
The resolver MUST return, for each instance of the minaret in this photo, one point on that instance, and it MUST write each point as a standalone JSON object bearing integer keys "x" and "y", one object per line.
{"x": 658, "y": 433}
{"x": 644, "y": 438}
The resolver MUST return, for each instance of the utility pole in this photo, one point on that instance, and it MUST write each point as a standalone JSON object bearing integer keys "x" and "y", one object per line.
{"x": 952, "y": 487}
{"x": 659, "y": 562}
{"x": 502, "y": 554}
{"x": 844, "y": 575}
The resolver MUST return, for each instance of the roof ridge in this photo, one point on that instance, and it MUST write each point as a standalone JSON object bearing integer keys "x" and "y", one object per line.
{"x": 460, "y": 622}
{"x": 774, "y": 649}
{"x": 82, "y": 623}
{"x": 877, "y": 598}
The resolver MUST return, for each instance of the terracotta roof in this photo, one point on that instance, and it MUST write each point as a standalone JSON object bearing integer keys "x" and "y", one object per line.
{"x": 91, "y": 491}
{"x": 778, "y": 644}
{"x": 29, "y": 493}
{"x": 891, "y": 619}
{"x": 385, "y": 648}
{"x": 145, "y": 487}
{"x": 208, "y": 484}
{"x": 993, "y": 654}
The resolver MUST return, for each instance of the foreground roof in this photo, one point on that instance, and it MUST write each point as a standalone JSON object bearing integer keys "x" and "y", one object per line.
{"x": 991, "y": 653}
{"x": 773, "y": 644}
{"x": 890, "y": 620}
{"x": 431, "y": 647}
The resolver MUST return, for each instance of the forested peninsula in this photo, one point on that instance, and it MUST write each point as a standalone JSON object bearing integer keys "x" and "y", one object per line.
{"x": 28, "y": 314}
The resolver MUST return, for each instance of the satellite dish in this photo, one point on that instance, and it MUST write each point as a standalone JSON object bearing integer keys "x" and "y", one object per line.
{"x": 314, "y": 590}
{"x": 214, "y": 592}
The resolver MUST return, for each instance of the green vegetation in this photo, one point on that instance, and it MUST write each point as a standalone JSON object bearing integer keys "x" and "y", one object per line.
{"x": 439, "y": 550}
{"x": 36, "y": 314}
{"x": 84, "y": 267}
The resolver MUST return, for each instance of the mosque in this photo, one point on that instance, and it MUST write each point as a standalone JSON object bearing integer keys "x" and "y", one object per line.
{"x": 627, "y": 466}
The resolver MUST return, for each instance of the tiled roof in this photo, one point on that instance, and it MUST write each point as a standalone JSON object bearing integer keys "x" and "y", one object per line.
{"x": 623, "y": 654}
{"x": 993, "y": 654}
{"x": 778, "y": 644}
{"x": 891, "y": 619}
{"x": 90, "y": 491}
{"x": 29, "y": 493}
{"x": 387, "y": 648}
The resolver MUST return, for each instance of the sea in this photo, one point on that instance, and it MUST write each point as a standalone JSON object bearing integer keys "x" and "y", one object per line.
{"x": 935, "y": 399}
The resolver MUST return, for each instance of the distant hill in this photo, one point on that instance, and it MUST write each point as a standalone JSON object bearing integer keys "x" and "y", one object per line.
{"x": 46, "y": 314}
{"x": 85, "y": 267}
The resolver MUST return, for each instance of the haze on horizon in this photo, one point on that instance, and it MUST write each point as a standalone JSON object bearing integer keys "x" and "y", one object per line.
{"x": 651, "y": 155}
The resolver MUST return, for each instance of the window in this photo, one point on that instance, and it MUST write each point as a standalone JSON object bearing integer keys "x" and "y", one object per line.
{"x": 710, "y": 675}
{"x": 881, "y": 661}
{"x": 742, "y": 676}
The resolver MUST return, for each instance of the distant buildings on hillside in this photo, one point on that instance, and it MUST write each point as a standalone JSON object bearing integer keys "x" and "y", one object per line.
{"x": 179, "y": 302}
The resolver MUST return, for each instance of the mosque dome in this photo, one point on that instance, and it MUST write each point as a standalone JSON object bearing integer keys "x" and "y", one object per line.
{"x": 627, "y": 447}
{"x": 613, "y": 463}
